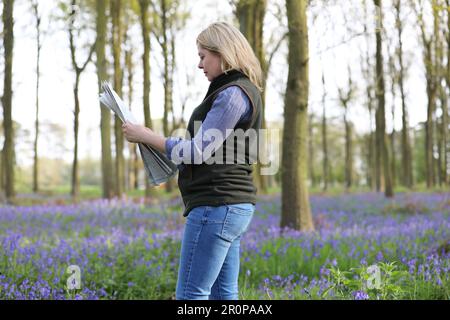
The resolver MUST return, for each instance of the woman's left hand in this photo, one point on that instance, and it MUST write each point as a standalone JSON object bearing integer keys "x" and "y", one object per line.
{"x": 135, "y": 132}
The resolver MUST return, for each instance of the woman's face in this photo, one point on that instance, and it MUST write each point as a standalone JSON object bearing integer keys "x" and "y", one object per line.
{"x": 210, "y": 63}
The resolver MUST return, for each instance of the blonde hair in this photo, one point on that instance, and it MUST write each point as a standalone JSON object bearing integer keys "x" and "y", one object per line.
{"x": 226, "y": 40}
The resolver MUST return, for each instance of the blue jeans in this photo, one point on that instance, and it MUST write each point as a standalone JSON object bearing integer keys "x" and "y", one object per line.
{"x": 209, "y": 260}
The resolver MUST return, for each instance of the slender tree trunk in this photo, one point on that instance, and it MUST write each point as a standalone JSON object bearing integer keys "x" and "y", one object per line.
{"x": 36, "y": 126}
{"x": 407, "y": 169}
{"x": 345, "y": 99}
{"x": 438, "y": 63}
{"x": 165, "y": 44}
{"x": 296, "y": 212}
{"x": 392, "y": 71}
{"x": 373, "y": 179}
{"x": 379, "y": 113}
{"x": 445, "y": 110}
{"x": 430, "y": 76}
{"x": 75, "y": 176}
{"x": 105, "y": 115}
{"x": 133, "y": 161}
{"x": 379, "y": 135}
{"x": 440, "y": 74}
{"x": 324, "y": 138}
{"x": 348, "y": 152}
{"x": 372, "y": 149}
{"x": 171, "y": 185}
{"x": 171, "y": 76}
{"x": 379, "y": 176}
{"x": 144, "y": 4}
{"x": 429, "y": 125}
{"x": 383, "y": 143}
{"x": 133, "y": 166}
{"x": 8, "y": 148}
{"x": 116, "y": 13}
{"x": 78, "y": 71}
{"x": 392, "y": 151}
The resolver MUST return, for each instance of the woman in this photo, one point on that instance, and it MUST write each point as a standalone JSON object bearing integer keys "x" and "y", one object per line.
{"x": 219, "y": 197}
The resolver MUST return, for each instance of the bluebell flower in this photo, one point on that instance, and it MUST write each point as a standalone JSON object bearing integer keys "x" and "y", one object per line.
{"x": 360, "y": 295}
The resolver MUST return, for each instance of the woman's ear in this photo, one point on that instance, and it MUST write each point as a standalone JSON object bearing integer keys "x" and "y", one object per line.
{"x": 223, "y": 66}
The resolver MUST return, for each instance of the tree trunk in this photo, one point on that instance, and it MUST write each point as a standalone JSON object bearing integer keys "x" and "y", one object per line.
{"x": 375, "y": 181}
{"x": 324, "y": 138}
{"x": 348, "y": 152}
{"x": 78, "y": 71}
{"x": 165, "y": 44}
{"x": 345, "y": 99}
{"x": 429, "y": 125}
{"x": 430, "y": 76}
{"x": 36, "y": 126}
{"x": 8, "y": 148}
{"x": 143, "y": 4}
{"x": 171, "y": 76}
{"x": 437, "y": 163}
{"x": 296, "y": 212}
{"x": 366, "y": 67}
{"x": 133, "y": 172}
{"x": 379, "y": 111}
{"x": 445, "y": 123}
{"x": 407, "y": 171}
{"x": 383, "y": 143}
{"x": 393, "y": 75}
{"x": 105, "y": 116}
{"x": 75, "y": 192}
{"x": 116, "y": 13}
{"x": 379, "y": 176}
{"x": 440, "y": 74}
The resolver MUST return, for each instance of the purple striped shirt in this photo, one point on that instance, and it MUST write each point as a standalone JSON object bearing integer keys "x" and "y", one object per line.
{"x": 230, "y": 107}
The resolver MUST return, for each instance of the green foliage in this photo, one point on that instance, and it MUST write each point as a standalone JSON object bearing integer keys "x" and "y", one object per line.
{"x": 388, "y": 286}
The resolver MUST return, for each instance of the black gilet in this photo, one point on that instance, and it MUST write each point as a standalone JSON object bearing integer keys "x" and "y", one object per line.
{"x": 227, "y": 183}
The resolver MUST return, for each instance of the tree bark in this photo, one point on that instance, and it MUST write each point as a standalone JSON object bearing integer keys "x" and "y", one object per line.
{"x": 36, "y": 123}
{"x": 324, "y": 138}
{"x": 430, "y": 76}
{"x": 393, "y": 75}
{"x": 75, "y": 190}
{"x": 445, "y": 106}
{"x": 165, "y": 44}
{"x": 116, "y": 14}
{"x": 345, "y": 99}
{"x": 407, "y": 171}
{"x": 348, "y": 152}
{"x": 373, "y": 179}
{"x": 438, "y": 63}
{"x": 8, "y": 148}
{"x": 105, "y": 115}
{"x": 383, "y": 143}
{"x": 75, "y": 175}
{"x": 145, "y": 26}
{"x": 296, "y": 211}
{"x": 133, "y": 171}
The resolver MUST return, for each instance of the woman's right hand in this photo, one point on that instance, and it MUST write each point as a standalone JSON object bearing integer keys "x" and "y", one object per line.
{"x": 135, "y": 132}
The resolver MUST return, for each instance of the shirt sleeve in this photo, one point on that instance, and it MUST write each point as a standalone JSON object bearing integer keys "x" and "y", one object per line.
{"x": 229, "y": 108}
